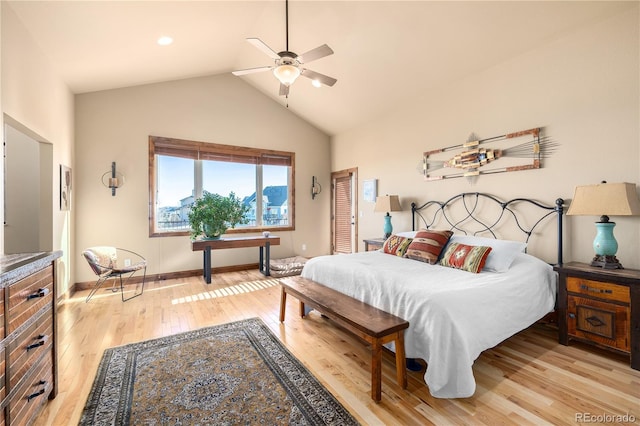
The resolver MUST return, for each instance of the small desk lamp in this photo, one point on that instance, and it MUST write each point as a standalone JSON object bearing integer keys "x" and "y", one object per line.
{"x": 605, "y": 199}
{"x": 387, "y": 203}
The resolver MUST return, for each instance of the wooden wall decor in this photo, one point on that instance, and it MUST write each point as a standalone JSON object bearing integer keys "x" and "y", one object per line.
{"x": 511, "y": 152}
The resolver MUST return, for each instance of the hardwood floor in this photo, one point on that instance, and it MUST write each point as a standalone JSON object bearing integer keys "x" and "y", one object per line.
{"x": 527, "y": 380}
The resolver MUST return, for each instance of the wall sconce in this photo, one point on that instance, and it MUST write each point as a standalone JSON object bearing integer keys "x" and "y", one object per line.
{"x": 315, "y": 188}
{"x": 113, "y": 179}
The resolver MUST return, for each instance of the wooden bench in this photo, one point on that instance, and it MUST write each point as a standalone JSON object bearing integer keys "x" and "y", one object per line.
{"x": 371, "y": 324}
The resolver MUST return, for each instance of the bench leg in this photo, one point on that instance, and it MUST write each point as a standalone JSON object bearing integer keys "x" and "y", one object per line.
{"x": 401, "y": 360}
{"x": 376, "y": 370}
{"x": 283, "y": 303}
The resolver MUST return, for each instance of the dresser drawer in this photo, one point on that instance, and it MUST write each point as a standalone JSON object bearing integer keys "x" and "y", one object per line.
{"x": 28, "y": 296}
{"x": 598, "y": 289}
{"x": 32, "y": 393}
{"x": 29, "y": 346}
{"x": 600, "y": 322}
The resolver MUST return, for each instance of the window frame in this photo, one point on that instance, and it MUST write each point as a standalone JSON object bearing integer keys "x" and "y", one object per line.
{"x": 159, "y": 145}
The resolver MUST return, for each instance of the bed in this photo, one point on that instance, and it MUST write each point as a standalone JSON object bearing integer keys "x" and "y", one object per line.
{"x": 454, "y": 314}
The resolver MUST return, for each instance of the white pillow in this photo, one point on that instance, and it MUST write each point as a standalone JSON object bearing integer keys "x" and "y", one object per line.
{"x": 503, "y": 252}
{"x": 407, "y": 234}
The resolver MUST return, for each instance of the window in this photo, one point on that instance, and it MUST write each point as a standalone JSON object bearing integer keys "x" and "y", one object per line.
{"x": 179, "y": 171}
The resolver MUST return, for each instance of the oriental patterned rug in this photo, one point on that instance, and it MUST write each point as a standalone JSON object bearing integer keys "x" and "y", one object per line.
{"x": 236, "y": 373}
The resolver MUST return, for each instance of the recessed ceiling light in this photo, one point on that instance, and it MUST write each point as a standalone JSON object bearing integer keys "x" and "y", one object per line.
{"x": 165, "y": 41}
{"x": 316, "y": 83}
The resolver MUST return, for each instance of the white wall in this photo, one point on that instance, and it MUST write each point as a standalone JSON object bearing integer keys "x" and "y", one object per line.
{"x": 583, "y": 89}
{"x": 114, "y": 125}
{"x": 22, "y": 181}
{"x": 35, "y": 97}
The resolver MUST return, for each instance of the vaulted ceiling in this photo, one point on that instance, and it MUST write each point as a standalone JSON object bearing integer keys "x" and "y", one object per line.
{"x": 386, "y": 52}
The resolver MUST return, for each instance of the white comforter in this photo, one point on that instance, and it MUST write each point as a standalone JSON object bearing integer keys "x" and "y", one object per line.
{"x": 454, "y": 315}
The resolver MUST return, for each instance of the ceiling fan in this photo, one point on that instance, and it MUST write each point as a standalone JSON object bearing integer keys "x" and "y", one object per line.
{"x": 287, "y": 65}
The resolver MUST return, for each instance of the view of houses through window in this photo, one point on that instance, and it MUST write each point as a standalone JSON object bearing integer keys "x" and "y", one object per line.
{"x": 263, "y": 185}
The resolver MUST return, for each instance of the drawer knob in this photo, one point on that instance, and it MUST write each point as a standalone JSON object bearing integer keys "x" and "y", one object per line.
{"x": 40, "y": 293}
{"x": 38, "y": 393}
{"x": 42, "y": 339}
{"x": 572, "y": 315}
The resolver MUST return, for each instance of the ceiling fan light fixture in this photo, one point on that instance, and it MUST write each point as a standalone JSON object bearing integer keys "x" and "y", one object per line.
{"x": 286, "y": 73}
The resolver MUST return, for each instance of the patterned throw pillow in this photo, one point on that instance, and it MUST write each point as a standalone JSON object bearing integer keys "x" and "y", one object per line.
{"x": 396, "y": 245}
{"x": 427, "y": 245}
{"x": 467, "y": 258}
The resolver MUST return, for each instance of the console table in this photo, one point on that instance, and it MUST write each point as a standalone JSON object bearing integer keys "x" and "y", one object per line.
{"x": 264, "y": 243}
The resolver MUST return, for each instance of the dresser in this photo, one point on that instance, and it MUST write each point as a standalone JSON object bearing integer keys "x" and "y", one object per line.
{"x": 28, "y": 349}
{"x": 600, "y": 307}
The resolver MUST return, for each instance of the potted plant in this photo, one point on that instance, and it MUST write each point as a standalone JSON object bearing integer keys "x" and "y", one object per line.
{"x": 212, "y": 214}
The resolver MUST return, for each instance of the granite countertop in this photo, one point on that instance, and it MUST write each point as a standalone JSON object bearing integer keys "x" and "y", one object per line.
{"x": 14, "y": 267}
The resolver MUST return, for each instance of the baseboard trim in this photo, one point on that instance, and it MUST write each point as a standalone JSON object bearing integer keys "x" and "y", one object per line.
{"x": 136, "y": 279}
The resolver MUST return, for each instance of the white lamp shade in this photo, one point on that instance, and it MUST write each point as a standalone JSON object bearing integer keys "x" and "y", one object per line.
{"x": 287, "y": 74}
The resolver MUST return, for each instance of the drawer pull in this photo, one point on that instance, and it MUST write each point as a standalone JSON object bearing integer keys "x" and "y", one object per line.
{"x": 42, "y": 340}
{"x": 595, "y": 290}
{"x": 572, "y": 315}
{"x": 595, "y": 321}
{"x": 40, "y": 293}
{"x": 37, "y": 394}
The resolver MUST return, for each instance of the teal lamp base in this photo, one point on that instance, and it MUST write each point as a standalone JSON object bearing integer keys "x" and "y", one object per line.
{"x": 605, "y": 246}
{"x": 388, "y": 229}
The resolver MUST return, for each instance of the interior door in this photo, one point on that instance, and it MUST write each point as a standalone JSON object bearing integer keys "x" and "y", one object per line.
{"x": 344, "y": 204}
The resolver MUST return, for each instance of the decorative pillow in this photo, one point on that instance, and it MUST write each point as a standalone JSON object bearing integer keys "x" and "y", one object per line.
{"x": 427, "y": 245}
{"x": 396, "y": 245}
{"x": 467, "y": 258}
{"x": 503, "y": 252}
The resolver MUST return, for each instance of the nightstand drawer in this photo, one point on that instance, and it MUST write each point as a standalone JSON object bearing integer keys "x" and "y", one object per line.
{"x": 600, "y": 322}
{"x": 598, "y": 289}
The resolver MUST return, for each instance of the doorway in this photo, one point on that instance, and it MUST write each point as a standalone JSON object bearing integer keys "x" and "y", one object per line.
{"x": 344, "y": 205}
{"x": 28, "y": 193}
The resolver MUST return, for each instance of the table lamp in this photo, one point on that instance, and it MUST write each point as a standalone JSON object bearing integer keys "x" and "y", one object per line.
{"x": 604, "y": 200}
{"x": 387, "y": 203}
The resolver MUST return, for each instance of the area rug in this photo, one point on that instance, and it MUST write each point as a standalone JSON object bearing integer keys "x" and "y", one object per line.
{"x": 236, "y": 373}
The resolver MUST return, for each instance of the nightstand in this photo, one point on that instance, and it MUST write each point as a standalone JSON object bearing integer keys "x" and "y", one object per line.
{"x": 371, "y": 244}
{"x": 601, "y": 307}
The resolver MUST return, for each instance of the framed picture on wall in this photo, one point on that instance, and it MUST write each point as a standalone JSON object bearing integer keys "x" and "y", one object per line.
{"x": 65, "y": 187}
{"x": 370, "y": 190}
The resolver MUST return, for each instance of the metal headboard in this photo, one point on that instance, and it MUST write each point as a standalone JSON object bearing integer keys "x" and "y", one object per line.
{"x": 436, "y": 211}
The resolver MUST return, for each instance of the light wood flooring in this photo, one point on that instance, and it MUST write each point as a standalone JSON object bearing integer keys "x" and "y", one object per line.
{"x": 527, "y": 380}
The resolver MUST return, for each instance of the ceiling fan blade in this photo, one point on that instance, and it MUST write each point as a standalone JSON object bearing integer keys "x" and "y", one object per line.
{"x": 263, "y": 47}
{"x": 284, "y": 90}
{"x": 251, "y": 70}
{"x": 313, "y": 54}
{"x": 324, "y": 79}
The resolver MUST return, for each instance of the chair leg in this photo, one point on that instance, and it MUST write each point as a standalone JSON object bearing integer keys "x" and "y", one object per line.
{"x": 144, "y": 277}
{"x": 99, "y": 283}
